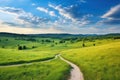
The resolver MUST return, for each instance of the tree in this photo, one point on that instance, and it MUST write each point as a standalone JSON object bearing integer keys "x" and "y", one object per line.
{"x": 6, "y": 39}
{"x": 83, "y": 45}
{"x": 24, "y": 47}
{"x": 62, "y": 41}
{"x": 33, "y": 46}
{"x": 3, "y": 46}
{"x": 20, "y": 48}
{"x": 56, "y": 43}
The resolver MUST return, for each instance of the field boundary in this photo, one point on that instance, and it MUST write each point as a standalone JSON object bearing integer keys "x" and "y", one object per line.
{"x": 26, "y": 62}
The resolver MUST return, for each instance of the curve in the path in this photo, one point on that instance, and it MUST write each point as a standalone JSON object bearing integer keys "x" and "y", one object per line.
{"x": 75, "y": 73}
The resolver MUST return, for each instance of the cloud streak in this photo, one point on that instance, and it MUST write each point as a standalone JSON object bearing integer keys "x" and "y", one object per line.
{"x": 72, "y": 13}
{"x": 112, "y": 16}
{"x": 51, "y": 13}
{"x": 24, "y": 17}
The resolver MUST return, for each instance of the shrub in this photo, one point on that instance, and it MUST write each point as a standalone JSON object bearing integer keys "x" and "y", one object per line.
{"x": 24, "y": 47}
{"x": 20, "y": 48}
{"x": 83, "y": 45}
{"x": 3, "y": 46}
{"x": 33, "y": 46}
{"x": 62, "y": 41}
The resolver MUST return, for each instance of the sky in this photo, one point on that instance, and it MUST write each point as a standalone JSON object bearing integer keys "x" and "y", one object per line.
{"x": 60, "y": 16}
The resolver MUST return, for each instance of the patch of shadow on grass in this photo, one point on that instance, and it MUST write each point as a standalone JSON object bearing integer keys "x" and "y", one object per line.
{"x": 22, "y": 62}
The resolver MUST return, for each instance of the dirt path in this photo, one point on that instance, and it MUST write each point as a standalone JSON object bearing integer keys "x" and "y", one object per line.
{"x": 76, "y": 74}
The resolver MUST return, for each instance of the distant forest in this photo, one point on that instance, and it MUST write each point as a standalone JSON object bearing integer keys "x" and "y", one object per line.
{"x": 63, "y": 36}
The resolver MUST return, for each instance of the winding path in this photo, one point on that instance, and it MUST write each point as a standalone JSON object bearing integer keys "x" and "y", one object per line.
{"x": 75, "y": 73}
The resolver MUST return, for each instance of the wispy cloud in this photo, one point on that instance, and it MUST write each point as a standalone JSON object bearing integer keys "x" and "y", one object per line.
{"x": 82, "y": 1}
{"x": 112, "y": 16}
{"x": 62, "y": 11}
{"x": 70, "y": 13}
{"x": 33, "y": 4}
{"x": 42, "y": 9}
{"x": 22, "y": 16}
{"x": 26, "y": 30}
{"x": 69, "y": 16}
{"x": 51, "y": 13}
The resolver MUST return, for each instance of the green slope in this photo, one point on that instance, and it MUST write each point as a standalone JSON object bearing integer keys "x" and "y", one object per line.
{"x": 97, "y": 63}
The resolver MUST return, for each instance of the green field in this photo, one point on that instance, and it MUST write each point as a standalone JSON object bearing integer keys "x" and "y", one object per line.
{"x": 98, "y": 59}
{"x": 97, "y": 63}
{"x": 53, "y": 70}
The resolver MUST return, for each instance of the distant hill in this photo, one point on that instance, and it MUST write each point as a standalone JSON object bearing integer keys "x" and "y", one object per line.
{"x": 5, "y": 34}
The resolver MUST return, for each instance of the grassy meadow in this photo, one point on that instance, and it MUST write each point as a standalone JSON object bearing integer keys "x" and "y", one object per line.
{"x": 97, "y": 63}
{"x": 97, "y": 56}
{"x": 51, "y": 70}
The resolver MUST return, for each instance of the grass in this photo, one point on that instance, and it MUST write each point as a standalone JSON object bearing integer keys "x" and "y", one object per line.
{"x": 53, "y": 70}
{"x": 100, "y": 62}
{"x": 97, "y": 63}
{"x": 11, "y": 56}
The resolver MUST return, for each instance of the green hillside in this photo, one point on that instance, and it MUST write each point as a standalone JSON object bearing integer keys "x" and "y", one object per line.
{"x": 97, "y": 63}
{"x": 96, "y": 55}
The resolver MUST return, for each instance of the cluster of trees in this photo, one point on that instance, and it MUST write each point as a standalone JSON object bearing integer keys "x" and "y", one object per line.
{"x": 116, "y": 37}
{"x": 22, "y": 47}
{"x": 47, "y": 40}
{"x": 26, "y": 39}
{"x": 83, "y": 45}
{"x": 4, "y": 40}
{"x": 62, "y": 41}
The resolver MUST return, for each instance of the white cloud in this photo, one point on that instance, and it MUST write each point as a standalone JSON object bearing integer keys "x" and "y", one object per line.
{"x": 22, "y": 16}
{"x": 82, "y": 1}
{"x": 67, "y": 14}
{"x": 26, "y": 30}
{"x": 112, "y": 17}
{"x": 42, "y": 9}
{"x": 62, "y": 12}
{"x": 114, "y": 12}
{"x": 51, "y": 13}
{"x": 33, "y": 4}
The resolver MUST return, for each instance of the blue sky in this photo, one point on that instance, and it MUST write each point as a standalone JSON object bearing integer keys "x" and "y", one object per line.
{"x": 60, "y": 16}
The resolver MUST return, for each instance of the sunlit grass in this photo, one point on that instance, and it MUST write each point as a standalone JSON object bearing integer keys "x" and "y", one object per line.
{"x": 53, "y": 70}
{"x": 11, "y": 55}
{"x": 98, "y": 62}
